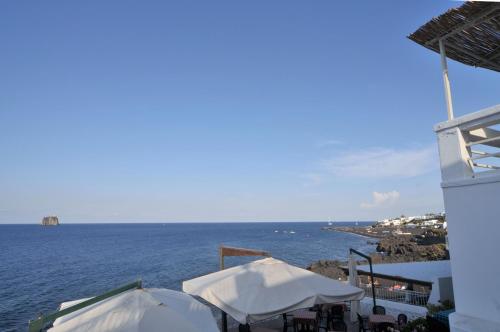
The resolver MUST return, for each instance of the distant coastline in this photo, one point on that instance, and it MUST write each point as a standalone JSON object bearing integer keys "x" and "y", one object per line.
{"x": 407, "y": 241}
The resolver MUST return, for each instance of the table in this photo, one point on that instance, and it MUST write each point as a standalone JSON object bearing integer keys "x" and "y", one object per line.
{"x": 374, "y": 320}
{"x": 305, "y": 318}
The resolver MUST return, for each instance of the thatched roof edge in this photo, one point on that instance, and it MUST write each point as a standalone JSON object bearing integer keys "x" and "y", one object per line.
{"x": 471, "y": 34}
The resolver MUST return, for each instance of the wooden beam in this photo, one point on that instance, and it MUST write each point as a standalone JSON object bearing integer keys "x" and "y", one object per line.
{"x": 232, "y": 251}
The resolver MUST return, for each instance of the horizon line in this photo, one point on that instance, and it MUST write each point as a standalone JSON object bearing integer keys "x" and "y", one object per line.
{"x": 192, "y": 222}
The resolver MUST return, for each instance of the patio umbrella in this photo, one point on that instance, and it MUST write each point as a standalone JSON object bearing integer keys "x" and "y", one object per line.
{"x": 266, "y": 288}
{"x": 151, "y": 310}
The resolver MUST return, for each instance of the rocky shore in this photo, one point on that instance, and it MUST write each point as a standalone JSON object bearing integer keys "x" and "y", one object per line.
{"x": 394, "y": 245}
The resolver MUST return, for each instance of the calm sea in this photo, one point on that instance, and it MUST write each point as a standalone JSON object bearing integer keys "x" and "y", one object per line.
{"x": 40, "y": 267}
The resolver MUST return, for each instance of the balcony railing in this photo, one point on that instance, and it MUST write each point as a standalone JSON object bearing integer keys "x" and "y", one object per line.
{"x": 469, "y": 146}
{"x": 483, "y": 147}
{"x": 397, "y": 295}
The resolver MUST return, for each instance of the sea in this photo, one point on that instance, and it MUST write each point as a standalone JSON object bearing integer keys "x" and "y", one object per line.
{"x": 40, "y": 267}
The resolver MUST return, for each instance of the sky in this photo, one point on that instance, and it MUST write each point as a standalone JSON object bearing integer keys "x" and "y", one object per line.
{"x": 195, "y": 111}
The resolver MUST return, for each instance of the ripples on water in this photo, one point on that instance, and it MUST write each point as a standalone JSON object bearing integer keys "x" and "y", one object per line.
{"x": 40, "y": 267}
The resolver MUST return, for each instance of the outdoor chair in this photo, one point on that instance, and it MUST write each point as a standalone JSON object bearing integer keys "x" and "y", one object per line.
{"x": 337, "y": 312}
{"x": 436, "y": 326}
{"x": 402, "y": 320}
{"x": 286, "y": 319}
{"x": 300, "y": 325}
{"x": 244, "y": 328}
{"x": 361, "y": 323}
{"x": 338, "y": 326}
{"x": 378, "y": 310}
{"x": 385, "y": 327}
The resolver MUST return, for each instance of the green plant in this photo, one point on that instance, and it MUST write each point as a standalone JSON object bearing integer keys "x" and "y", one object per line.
{"x": 435, "y": 308}
{"x": 417, "y": 325}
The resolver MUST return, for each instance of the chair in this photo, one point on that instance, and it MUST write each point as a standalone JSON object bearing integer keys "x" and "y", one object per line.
{"x": 435, "y": 325}
{"x": 338, "y": 326}
{"x": 402, "y": 320}
{"x": 361, "y": 323}
{"x": 309, "y": 324}
{"x": 285, "y": 321}
{"x": 337, "y": 312}
{"x": 378, "y": 310}
{"x": 244, "y": 328}
{"x": 384, "y": 327}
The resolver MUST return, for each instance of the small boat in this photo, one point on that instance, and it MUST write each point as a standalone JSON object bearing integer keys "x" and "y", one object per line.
{"x": 292, "y": 232}
{"x": 330, "y": 223}
{"x": 276, "y": 231}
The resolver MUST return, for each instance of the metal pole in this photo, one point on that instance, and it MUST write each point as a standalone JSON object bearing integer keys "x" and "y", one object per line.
{"x": 446, "y": 81}
{"x": 371, "y": 272}
{"x": 223, "y": 313}
{"x": 373, "y": 282}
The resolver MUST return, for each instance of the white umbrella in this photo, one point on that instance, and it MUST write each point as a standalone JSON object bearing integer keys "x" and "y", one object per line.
{"x": 147, "y": 310}
{"x": 266, "y": 288}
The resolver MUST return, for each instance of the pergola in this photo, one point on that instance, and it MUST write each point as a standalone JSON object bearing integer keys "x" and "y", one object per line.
{"x": 469, "y": 34}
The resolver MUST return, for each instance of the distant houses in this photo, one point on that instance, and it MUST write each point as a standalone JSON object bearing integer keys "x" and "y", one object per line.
{"x": 427, "y": 220}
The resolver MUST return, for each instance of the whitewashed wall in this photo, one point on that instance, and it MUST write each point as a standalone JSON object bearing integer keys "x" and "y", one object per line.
{"x": 473, "y": 214}
{"x": 472, "y": 204}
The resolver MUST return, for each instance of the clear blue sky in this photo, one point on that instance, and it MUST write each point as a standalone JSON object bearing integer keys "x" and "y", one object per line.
{"x": 155, "y": 111}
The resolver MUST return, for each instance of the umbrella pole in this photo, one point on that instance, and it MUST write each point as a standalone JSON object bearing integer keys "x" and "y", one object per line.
{"x": 224, "y": 322}
{"x": 224, "y": 315}
{"x": 230, "y": 251}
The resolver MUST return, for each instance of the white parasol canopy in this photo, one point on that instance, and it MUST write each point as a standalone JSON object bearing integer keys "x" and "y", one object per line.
{"x": 151, "y": 310}
{"x": 266, "y": 288}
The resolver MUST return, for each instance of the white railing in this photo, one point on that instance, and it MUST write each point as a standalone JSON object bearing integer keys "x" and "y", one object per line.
{"x": 397, "y": 295}
{"x": 469, "y": 146}
{"x": 483, "y": 147}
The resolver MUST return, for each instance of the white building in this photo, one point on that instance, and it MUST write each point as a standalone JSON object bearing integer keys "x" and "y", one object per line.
{"x": 469, "y": 147}
{"x": 431, "y": 222}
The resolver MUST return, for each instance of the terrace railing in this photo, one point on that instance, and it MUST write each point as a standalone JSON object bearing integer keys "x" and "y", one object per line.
{"x": 469, "y": 146}
{"x": 397, "y": 295}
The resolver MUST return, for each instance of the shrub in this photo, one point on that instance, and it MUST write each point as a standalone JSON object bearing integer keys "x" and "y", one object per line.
{"x": 417, "y": 325}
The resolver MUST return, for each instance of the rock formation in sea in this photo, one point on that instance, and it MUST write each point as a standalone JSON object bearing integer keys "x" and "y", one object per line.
{"x": 50, "y": 221}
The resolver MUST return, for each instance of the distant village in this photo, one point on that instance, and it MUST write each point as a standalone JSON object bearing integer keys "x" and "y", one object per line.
{"x": 429, "y": 220}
